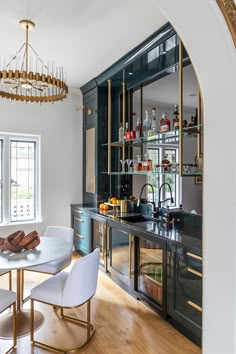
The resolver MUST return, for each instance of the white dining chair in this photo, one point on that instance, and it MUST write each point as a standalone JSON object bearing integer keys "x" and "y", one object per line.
{"x": 7, "y": 299}
{"x": 9, "y": 277}
{"x": 67, "y": 290}
{"x": 53, "y": 267}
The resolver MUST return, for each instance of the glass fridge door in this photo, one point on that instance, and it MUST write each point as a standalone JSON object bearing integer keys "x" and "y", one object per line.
{"x": 152, "y": 273}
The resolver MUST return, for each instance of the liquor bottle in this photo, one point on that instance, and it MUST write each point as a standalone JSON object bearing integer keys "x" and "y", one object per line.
{"x": 164, "y": 123}
{"x": 121, "y": 133}
{"x": 176, "y": 118}
{"x": 165, "y": 164}
{"x": 127, "y": 133}
{"x": 146, "y": 124}
{"x": 138, "y": 129}
{"x": 154, "y": 121}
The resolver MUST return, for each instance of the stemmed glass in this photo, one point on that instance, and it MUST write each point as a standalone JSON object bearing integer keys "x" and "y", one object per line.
{"x": 129, "y": 163}
{"x": 123, "y": 165}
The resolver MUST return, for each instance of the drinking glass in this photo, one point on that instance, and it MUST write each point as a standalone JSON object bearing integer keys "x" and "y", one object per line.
{"x": 129, "y": 163}
{"x": 123, "y": 165}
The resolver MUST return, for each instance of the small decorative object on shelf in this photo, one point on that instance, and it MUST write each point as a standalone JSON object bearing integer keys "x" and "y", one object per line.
{"x": 121, "y": 133}
{"x": 164, "y": 123}
{"x": 127, "y": 133}
{"x": 154, "y": 129}
{"x": 146, "y": 124}
{"x": 138, "y": 129}
{"x": 18, "y": 241}
{"x": 176, "y": 118}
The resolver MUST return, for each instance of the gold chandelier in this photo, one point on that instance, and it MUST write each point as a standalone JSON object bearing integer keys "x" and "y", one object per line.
{"x": 27, "y": 78}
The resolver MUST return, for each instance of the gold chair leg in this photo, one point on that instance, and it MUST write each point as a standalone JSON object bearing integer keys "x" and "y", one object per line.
{"x": 10, "y": 280}
{"x": 61, "y": 312}
{"x": 14, "y": 324}
{"x": 88, "y": 320}
{"x": 22, "y": 286}
{"x": 32, "y": 320}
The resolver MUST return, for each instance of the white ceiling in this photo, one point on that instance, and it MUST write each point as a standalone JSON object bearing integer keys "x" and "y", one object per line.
{"x": 85, "y": 37}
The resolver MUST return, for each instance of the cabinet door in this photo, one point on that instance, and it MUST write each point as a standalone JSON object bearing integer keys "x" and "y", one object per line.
{"x": 119, "y": 260}
{"x": 81, "y": 231}
{"x": 151, "y": 275}
{"x": 185, "y": 291}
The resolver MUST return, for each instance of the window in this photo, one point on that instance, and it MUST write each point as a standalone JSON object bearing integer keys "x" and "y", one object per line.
{"x": 20, "y": 182}
{"x": 157, "y": 154}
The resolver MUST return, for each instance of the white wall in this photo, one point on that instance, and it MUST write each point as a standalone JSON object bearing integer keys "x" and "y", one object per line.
{"x": 209, "y": 44}
{"x": 60, "y": 128}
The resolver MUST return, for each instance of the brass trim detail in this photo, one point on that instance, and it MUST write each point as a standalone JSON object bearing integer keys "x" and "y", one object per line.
{"x": 193, "y": 255}
{"x": 197, "y": 307}
{"x": 80, "y": 236}
{"x": 191, "y": 270}
{"x": 123, "y": 112}
{"x": 90, "y": 328}
{"x": 80, "y": 220}
{"x": 180, "y": 108}
{"x": 228, "y": 9}
{"x": 109, "y": 128}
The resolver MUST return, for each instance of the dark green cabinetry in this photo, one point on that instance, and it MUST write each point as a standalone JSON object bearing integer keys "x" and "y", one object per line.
{"x": 82, "y": 230}
{"x": 185, "y": 290}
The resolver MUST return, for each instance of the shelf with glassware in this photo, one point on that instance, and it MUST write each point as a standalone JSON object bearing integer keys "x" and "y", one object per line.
{"x": 138, "y": 167}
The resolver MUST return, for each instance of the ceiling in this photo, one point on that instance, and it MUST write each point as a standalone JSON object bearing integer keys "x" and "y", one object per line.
{"x": 85, "y": 37}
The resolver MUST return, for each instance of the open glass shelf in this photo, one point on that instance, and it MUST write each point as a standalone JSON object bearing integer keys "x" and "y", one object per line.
{"x": 153, "y": 173}
{"x": 171, "y": 136}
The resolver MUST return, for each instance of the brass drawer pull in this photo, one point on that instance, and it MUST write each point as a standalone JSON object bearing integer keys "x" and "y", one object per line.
{"x": 80, "y": 236}
{"x": 79, "y": 219}
{"x": 191, "y": 270}
{"x": 199, "y": 308}
{"x": 78, "y": 211}
{"x": 193, "y": 255}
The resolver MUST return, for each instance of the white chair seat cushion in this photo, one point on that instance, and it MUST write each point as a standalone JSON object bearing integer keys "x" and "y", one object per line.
{"x": 7, "y": 298}
{"x": 52, "y": 267}
{"x": 51, "y": 290}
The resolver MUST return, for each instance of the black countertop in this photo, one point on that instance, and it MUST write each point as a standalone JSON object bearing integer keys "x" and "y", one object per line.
{"x": 188, "y": 233}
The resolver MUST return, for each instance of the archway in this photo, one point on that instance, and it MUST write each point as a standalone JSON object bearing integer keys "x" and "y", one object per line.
{"x": 207, "y": 39}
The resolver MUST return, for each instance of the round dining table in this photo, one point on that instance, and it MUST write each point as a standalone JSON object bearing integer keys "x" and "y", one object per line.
{"x": 49, "y": 249}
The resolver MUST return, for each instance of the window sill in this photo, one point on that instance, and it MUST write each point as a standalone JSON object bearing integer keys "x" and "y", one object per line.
{"x": 31, "y": 222}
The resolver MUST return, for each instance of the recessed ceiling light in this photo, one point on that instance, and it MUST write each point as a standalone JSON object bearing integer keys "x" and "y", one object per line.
{"x": 130, "y": 73}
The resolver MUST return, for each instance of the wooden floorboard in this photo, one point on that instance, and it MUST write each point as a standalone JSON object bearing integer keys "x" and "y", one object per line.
{"x": 123, "y": 325}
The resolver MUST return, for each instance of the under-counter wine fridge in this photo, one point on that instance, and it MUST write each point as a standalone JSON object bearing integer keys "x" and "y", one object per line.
{"x": 99, "y": 239}
{"x": 150, "y": 276}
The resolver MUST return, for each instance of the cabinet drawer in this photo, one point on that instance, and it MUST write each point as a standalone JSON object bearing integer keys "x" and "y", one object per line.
{"x": 81, "y": 231}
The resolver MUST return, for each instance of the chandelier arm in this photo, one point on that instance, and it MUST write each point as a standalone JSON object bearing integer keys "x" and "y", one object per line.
{"x": 14, "y": 57}
{"x": 45, "y": 66}
{"x": 23, "y": 59}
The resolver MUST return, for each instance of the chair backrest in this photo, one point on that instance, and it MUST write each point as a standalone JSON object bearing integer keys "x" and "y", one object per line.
{"x": 65, "y": 233}
{"x": 81, "y": 283}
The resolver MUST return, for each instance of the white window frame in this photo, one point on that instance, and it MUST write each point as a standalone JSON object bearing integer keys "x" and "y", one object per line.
{"x": 161, "y": 177}
{"x": 6, "y": 176}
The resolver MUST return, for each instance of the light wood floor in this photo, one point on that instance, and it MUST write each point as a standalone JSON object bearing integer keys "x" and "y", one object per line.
{"x": 123, "y": 325}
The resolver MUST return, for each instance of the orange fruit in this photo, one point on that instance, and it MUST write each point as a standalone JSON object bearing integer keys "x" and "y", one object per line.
{"x": 101, "y": 206}
{"x": 105, "y": 207}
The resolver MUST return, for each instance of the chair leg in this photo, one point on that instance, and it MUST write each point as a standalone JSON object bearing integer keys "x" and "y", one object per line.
{"x": 61, "y": 312}
{"x": 10, "y": 280}
{"x": 22, "y": 286}
{"x": 32, "y": 320}
{"x": 14, "y": 324}
{"x": 88, "y": 320}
